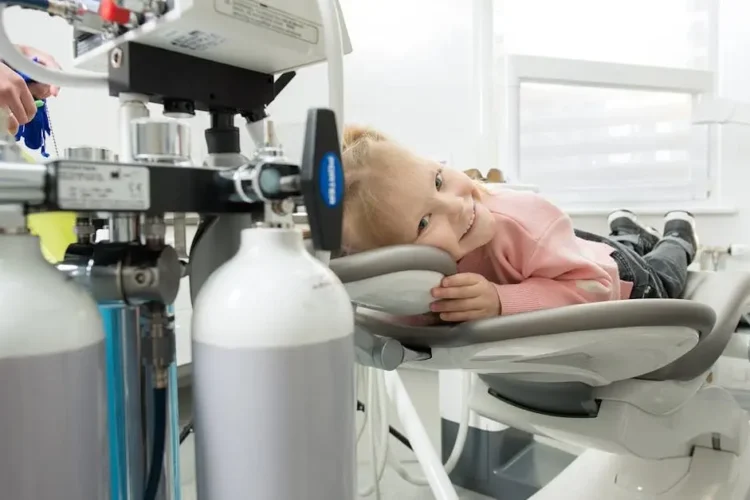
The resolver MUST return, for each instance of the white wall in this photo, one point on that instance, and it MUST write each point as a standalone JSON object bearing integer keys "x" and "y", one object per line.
{"x": 409, "y": 74}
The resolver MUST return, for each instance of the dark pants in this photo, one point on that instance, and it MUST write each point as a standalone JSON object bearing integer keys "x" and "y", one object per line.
{"x": 657, "y": 271}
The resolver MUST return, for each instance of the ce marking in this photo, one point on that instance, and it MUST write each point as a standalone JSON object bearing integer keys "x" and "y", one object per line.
{"x": 136, "y": 188}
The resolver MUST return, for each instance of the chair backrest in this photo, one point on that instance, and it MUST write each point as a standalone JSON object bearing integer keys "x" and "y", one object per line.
{"x": 726, "y": 293}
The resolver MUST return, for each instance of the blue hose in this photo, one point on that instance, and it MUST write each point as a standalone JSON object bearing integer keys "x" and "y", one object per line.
{"x": 159, "y": 443}
{"x": 29, "y": 4}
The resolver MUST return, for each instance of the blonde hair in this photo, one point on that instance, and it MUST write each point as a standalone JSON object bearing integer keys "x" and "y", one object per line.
{"x": 368, "y": 174}
{"x": 373, "y": 165}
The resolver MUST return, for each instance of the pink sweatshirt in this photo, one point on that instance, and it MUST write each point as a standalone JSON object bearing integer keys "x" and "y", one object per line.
{"x": 537, "y": 262}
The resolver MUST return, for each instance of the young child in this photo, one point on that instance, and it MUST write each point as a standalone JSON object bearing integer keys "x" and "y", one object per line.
{"x": 516, "y": 251}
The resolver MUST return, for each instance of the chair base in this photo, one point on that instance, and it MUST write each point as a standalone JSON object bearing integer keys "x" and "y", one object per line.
{"x": 650, "y": 420}
{"x": 706, "y": 475}
{"x": 508, "y": 464}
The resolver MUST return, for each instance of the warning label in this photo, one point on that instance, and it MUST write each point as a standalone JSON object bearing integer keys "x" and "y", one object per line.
{"x": 103, "y": 187}
{"x": 194, "y": 40}
{"x": 271, "y": 18}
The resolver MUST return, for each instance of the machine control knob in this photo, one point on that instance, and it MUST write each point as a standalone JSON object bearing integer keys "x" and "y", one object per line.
{"x": 323, "y": 180}
{"x": 160, "y": 141}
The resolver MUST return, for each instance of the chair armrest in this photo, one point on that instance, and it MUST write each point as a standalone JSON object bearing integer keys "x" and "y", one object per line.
{"x": 584, "y": 317}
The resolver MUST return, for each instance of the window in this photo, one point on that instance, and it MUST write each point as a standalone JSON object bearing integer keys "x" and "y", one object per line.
{"x": 598, "y": 98}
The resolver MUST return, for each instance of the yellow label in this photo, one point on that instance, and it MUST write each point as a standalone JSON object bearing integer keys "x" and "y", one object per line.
{"x": 56, "y": 230}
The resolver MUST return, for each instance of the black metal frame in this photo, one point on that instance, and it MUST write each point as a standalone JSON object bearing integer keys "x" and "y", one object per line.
{"x": 183, "y": 189}
{"x": 167, "y": 76}
{"x": 186, "y": 83}
{"x": 209, "y": 85}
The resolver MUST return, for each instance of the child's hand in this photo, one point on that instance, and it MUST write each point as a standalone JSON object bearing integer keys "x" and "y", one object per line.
{"x": 465, "y": 297}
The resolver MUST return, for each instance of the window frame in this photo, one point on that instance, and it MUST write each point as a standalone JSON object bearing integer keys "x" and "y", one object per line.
{"x": 520, "y": 69}
{"x": 516, "y": 69}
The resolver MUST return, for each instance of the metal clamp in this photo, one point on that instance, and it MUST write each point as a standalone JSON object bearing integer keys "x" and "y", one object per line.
{"x": 158, "y": 346}
{"x": 157, "y": 350}
{"x": 115, "y": 272}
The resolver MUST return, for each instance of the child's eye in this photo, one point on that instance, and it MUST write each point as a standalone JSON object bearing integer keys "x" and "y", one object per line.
{"x": 423, "y": 223}
{"x": 439, "y": 180}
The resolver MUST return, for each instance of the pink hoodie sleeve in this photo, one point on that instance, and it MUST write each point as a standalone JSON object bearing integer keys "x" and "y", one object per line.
{"x": 558, "y": 272}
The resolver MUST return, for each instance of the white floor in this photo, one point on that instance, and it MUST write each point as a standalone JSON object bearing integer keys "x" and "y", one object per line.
{"x": 423, "y": 389}
{"x": 392, "y": 487}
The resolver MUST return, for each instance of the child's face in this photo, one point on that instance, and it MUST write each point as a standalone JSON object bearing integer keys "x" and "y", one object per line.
{"x": 439, "y": 207}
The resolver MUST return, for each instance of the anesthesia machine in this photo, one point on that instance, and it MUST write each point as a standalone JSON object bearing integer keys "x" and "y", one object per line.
{"x": 89, "y": 393}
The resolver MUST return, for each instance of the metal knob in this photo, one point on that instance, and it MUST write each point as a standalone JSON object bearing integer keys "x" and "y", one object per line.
{"x": 89, "y": 153}
{"x": 160, "y": 140}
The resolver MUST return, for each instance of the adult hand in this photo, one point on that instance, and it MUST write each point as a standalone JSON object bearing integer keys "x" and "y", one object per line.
{"x": 465, "y": 297}
{"x": 19, "y": 97}
{"x": 16, "y": 96}
{"x": 41, "y": 90}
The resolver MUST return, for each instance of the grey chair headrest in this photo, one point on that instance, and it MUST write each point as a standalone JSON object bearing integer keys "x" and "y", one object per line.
{"x": 396, "y": 280}
{"x": 390, "y": 260}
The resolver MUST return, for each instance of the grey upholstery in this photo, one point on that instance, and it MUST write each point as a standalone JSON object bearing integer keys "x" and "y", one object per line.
{"x": 712, "y": 309}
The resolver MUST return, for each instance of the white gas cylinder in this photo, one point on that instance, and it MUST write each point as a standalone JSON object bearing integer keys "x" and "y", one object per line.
{"x": 273, "y": 376}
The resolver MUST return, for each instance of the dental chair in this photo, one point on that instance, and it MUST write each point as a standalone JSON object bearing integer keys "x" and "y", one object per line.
{"x": 627, "y": 380}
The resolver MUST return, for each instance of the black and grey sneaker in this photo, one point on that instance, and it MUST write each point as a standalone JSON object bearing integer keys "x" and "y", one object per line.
{"x": 681, "y": 225}
{"x": 625, "y": 222}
